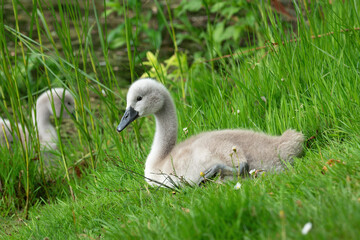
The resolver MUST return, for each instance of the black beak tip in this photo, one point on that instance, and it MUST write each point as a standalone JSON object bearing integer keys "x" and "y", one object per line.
{"x": 118, "y": 129}
{"x": 129, "y": 116}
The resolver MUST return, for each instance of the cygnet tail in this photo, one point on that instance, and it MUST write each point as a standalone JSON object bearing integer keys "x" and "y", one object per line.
{"x": 291, "y": 144}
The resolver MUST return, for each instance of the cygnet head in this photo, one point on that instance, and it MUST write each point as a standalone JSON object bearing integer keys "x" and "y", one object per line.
{"x": 62, "y": 99}
{"x": 145, "y": 97}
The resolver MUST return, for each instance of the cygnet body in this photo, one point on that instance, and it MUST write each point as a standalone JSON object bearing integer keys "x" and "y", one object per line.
{"x": 43, "y": 109}
{"x": 6, "y": 136}
{"x": 222, "y": 151}
{"x": 61, "y": 98}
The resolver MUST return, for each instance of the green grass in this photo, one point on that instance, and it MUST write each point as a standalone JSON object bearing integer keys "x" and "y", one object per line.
{"x": 310, "y": 85}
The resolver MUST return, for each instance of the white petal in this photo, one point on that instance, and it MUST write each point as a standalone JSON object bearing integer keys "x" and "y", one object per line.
{"x": 252, "y": 171}
{"x": 306, "y": 229}
{"x": 237, "y": 186}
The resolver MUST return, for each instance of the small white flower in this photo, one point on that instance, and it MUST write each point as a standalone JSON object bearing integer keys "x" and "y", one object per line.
{"x": 234, "y": 148}
{"x": 103, "y": 93}
{"x": 185, "y": 130}
{"x": 306, "y": 229}
{"x": 237, "y": 186}
{"x": 282, "y": 79}
{"x": 238, "y": 111}
{"x": 252, "y": 171}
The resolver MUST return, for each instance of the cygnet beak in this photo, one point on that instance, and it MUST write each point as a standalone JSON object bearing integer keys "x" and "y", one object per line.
{"x": 129, "y": 116}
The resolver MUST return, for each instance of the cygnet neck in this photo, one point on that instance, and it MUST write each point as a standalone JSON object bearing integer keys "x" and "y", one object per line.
{"x": 43, "y": 112}
{"x": 165, "y": 134}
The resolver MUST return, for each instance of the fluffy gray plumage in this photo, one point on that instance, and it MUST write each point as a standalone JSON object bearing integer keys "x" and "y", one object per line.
{"x": 6, "y": 135}
{"x": 202, "y": 152}
{"x": 47, "y": 133}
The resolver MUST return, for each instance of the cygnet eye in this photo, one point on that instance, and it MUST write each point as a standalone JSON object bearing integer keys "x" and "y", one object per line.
{"x": 139, "y": 98}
